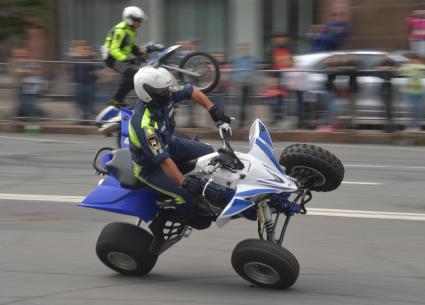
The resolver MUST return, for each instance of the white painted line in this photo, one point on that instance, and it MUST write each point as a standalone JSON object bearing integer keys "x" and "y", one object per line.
{"x": 361, "y": 183}
{"x": 372, "y": 147}
{"x": 366, "y": 214}
{"x": 311, "y": 211}
{"x": 44, "y": 140}
{"x": 48, "y": 198}
{"x": 341, "y": 145}
{"x": 385, "y": 166}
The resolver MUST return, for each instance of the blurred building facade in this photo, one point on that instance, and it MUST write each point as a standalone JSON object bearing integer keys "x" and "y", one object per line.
{"x": 376, "y": 24}
{"x": 219, "y": 25}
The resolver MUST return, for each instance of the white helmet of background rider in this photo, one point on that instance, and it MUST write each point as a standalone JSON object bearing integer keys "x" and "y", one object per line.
{"x": 151, "y": 82}
{"x": 131, "y": 13}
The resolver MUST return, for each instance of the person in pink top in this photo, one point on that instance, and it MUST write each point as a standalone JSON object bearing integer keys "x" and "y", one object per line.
{"x": 416, "y": 22}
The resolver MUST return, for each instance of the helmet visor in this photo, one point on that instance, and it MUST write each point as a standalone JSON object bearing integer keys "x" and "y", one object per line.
{"x": 152, "y": 91}
{"x": 136, "y": 19}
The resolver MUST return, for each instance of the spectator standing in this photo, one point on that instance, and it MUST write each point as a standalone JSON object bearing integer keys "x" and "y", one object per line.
{"x": 274, "y": 96}
{"x": 327, "y": 97}
{"x": 187, "y": 47}
{"x": 33, "y": 85}
{"x": 414, "y": 90}
{"x": 282, "y": 54}
{"x": 317, "y": 45}
{"x": 244, "y": 65}
{"x": 332, "y": 35}
{"x": 17, "y": 68}
{"x": 84, "y": 77}
{"x": 275, "y": 91}
{"x": 416, "y": 23}
{"x": 385, "y": 70}
{"x": 220, "y": 94}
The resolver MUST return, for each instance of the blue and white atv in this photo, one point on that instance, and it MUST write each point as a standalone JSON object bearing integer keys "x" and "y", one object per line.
{"x": 253, "y": 185}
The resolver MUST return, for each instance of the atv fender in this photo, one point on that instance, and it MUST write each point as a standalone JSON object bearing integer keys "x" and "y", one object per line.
{"x": 110, "y": 196}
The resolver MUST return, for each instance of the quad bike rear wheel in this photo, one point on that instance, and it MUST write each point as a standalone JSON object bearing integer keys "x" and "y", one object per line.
{"x": 124, "y": 248}
{"x": 313, "y": 166}
{"x": 265, "y": 264}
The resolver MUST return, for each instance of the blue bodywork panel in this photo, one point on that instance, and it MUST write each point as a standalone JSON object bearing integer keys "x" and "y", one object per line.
{"x": 238, "y": 206}
{"x": 110, "y": 196}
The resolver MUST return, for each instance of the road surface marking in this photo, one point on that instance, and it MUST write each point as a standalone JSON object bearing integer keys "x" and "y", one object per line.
{"x": 374, "y": 147}
{"x": 49, "y": 198}
{"x": 366, "y": 214}
{"x": 44, "y": 140}
{"x": 340, "y": 145}
{"x": 311, "y": 211}
{"x": 361, "y": 183}
{"x": 385, "y": 166}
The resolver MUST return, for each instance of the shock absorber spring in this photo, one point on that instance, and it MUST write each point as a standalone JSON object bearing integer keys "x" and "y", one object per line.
{"x": 269, "y": 229}
{"x": 268, "y": 221}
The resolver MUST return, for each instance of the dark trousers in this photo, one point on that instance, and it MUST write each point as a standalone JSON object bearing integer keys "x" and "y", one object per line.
{"x": 277, "y": 108}
{"x": 181, "y": 150}
{"x": 85, "y": 98}
{"x": 300, "y": 108}
{"x": 126, "y": 84}
{"x": 244, "y": 103}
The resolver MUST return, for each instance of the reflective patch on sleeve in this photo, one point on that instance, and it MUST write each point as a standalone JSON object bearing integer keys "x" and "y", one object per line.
{"x": 154, "y": 143}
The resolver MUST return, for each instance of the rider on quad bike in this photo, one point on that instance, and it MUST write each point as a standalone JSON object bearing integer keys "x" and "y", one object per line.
{"x": 156, "y": 150}
{"x": 121, "y": 54}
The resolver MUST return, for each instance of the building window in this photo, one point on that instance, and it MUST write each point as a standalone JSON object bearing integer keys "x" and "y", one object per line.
{"x": 293, "y": 17}
{"x": 204, "y": 21}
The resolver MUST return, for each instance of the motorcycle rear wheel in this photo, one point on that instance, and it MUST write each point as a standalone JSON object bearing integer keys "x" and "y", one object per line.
{"x": 265, "y": 264}
{"x": 204, "y": 64}
{"x": 124, "y": 248}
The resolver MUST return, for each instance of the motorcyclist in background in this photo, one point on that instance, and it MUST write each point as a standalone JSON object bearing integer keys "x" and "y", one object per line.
{"x": 156, "y": 150}
{"x": 121, "y": 53}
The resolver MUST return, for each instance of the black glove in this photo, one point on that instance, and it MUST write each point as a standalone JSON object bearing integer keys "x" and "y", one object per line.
{"x": 218, "y": 116}
{"x": 193, "y": 186}
{"x": 201, "y": 204}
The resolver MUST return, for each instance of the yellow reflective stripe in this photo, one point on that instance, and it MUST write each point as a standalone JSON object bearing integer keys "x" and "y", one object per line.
{"x": 146, "y": 120}
{"x": 133, "y": 136}
{"x": 137, "y": 168}
{"x": 146, "y": 125}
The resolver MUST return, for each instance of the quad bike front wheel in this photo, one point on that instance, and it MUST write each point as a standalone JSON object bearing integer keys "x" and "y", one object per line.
{"x": 265, "y": 264}
{"x": 124, "y": 248}
{"x": 314, "y": 167}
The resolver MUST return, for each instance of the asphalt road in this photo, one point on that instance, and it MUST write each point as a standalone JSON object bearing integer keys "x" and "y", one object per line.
{"x": 369, "y": 251}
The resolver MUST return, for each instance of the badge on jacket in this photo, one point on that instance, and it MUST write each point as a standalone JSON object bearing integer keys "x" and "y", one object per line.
{"x": 154, "y": 144}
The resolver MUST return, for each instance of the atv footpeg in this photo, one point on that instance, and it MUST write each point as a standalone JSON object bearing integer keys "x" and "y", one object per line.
{"x": 187, "y": 232}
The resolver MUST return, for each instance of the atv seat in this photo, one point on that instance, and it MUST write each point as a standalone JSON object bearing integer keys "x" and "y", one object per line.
{"x": 121, "y": 167}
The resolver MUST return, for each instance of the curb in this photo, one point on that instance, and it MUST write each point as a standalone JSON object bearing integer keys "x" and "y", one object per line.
{"x": 358, "y": 137}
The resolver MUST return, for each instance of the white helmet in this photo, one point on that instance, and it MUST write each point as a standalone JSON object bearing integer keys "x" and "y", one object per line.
{"x": 131, "y": 13}
{"x": 150, "y": 82}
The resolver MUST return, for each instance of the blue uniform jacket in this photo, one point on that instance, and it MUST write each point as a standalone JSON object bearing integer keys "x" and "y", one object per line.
{"x": 151, "y": 129}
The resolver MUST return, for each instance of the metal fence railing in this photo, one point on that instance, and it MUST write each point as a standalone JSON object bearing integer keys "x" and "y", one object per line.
{"x": 50, "y": 90}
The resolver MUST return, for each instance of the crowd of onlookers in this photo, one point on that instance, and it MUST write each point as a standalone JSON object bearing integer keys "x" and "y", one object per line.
{"x": 244, "y": 80}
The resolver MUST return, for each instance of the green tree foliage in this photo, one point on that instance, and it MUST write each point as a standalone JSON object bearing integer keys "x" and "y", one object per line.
{"x": 15, "y": 15}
